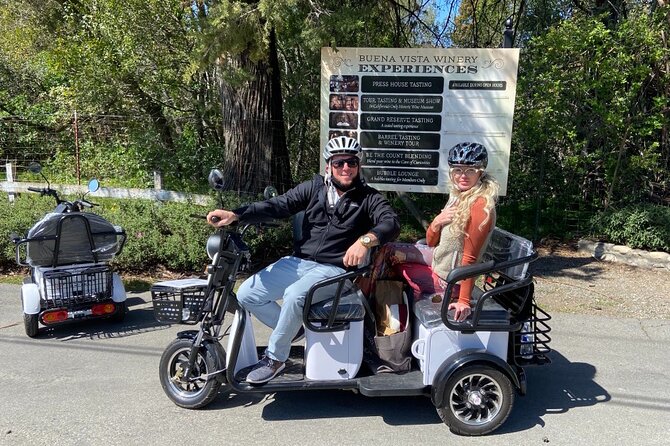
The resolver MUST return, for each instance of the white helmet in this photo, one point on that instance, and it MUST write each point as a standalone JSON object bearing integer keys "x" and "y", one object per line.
{"x": 342, "y": 145}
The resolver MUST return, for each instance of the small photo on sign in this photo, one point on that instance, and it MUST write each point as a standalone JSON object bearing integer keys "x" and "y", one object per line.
{"x": 348, "y": 102}
{"x": 341, "y": 83}
{"x": 341, "y": 120}
{"x": 335, "y": 133}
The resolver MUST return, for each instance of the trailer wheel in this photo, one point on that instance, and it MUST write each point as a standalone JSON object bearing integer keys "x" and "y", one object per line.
{"x": 31, "y": 324}
{"x": 478, "y": 400}
{"x": 119, "y": 312}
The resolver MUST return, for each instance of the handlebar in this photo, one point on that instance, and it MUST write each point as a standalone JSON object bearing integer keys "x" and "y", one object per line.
{"x": 215, "y": 219}
{"x": 85, "y": 203}
{"x": 75, "y": 206}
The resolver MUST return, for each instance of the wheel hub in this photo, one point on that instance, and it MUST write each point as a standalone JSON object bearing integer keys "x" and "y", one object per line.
{"x": 475, "y": 398}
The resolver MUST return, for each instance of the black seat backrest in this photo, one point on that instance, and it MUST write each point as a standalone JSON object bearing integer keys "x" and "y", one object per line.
{"x": 504, "y": 246}
{"x": 350, "y": 306}
{"x": 297, "y": 225}
{"x": 79, "y": 237}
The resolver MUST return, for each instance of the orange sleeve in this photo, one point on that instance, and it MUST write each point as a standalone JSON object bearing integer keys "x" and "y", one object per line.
{"x": 432, "y": 237}
{"x": 472, "y": 244}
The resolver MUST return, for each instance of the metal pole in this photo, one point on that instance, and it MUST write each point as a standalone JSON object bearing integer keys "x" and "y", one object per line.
{"x": 9, "y": 168}
{"x": 508, "y": 34}
{"x": 76, "y": 147}
{"x": 411, "y": 207}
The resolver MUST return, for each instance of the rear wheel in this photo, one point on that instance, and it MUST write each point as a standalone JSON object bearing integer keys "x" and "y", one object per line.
{"x": 31, "y": 324}
{"x": 119, "y": 312}
{"x": 201, "y": 387}
{"x": 478, "y": 400}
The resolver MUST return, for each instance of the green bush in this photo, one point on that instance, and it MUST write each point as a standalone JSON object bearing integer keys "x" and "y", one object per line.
{"x": 643, "y": 226}
{"x": 16, "y": 219}
{"x": 159, "y": 234}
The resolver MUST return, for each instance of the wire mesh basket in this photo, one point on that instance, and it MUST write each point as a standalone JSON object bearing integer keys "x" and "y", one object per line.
{"x": 178, "y": 301}
{"x": 76, "y": 286}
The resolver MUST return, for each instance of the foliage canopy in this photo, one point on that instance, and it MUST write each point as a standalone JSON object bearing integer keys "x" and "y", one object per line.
{"x": 151, "y": 81}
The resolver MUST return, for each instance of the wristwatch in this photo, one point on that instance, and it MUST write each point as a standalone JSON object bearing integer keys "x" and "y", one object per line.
{"x": 366, "y": 240}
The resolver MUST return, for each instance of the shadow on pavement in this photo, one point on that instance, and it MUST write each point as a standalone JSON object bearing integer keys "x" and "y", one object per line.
{"x": 553, "y": 389}
{"x": 581, "y": 268}
{"x": 395, "y": 411}
{"x": 139, "y": 319}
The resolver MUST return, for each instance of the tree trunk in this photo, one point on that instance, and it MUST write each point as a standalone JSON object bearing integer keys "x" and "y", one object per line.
{"x": 256, "y": 154}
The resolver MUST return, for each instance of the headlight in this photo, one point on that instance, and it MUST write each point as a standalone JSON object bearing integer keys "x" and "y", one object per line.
{"x": 213, "y": 243}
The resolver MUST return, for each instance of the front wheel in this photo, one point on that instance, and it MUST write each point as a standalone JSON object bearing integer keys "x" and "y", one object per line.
{"x": 31, "y": 324}
{"x": 201, "y": 387}
{"x": 478, "y": 400}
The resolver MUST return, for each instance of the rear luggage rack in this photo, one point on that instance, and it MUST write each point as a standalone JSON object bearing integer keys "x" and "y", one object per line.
{"x": 70, "y": 287}
{"x": 531, "y": 342}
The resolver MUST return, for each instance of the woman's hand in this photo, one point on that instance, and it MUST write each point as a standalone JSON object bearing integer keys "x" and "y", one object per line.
{"x": 461, "y": 311}
{"x": 444, "y": 218}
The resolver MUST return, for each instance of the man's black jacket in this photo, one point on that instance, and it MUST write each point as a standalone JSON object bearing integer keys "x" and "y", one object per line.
{"x": 327, "y": 236}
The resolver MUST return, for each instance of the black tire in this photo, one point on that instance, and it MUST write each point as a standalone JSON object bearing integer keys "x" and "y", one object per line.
{"x": 119, "y": 313}
{"x": 477, "y": 400}
{"x": 31, "y": 324}
{"x": 195, "y": 393}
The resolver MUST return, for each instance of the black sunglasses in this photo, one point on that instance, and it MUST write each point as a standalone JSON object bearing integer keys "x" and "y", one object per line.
{"x": 351, "y": 162}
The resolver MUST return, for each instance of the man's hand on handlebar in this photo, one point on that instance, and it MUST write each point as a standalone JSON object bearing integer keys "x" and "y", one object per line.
{"x": 221, "y": 217}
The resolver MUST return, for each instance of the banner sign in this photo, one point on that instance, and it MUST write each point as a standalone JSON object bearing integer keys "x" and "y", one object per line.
{"x": 408, "y": 106}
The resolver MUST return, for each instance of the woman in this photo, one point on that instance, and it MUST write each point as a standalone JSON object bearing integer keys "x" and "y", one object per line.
{"x": 461, "y": 231}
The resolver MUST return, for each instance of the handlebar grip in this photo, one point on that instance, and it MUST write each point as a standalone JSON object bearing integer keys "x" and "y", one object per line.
{"x": 34, "y": 189}
{"x": 215, "y": 219}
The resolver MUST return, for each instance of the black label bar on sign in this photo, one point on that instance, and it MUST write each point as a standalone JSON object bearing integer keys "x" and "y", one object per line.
{"x": 415, "y": 104}
{"x": 477, "y": 85}
{"x": 398, "y": 140}
{"x": 402, "y": 84}
{"x": 386, "y": 175}
{"x": 378, "y": 121}
{"x": 401, "y": 158}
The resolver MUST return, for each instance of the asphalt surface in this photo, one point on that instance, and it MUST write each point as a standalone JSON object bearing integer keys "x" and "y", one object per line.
{"x": 97, "y": 384}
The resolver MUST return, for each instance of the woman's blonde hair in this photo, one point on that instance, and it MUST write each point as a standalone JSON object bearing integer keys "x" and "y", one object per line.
{"x": 487, "y": 187}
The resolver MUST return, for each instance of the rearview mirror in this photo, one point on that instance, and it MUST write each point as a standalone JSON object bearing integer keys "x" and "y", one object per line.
{"x": 93, "y": 185}
{"x": 270, "y": 192}
{"x": 35, "y": 167}
{"x": 216, "y": 180}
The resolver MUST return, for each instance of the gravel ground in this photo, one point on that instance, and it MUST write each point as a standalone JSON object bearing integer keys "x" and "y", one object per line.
{"x": 572, "y": 282}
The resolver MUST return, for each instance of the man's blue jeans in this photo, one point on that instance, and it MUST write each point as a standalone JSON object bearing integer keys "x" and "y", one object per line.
{"x": 289, "y": 278}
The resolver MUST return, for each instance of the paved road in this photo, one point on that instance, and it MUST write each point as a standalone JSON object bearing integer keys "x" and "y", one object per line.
{"x": 96, "y": 384}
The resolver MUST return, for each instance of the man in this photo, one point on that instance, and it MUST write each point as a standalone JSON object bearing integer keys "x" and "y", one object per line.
{"x": 343, "y": 219}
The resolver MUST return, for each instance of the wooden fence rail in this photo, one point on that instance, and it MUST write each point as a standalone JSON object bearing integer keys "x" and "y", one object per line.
{"x": 157, "y": 193}
{"x": 14, "y": 188}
